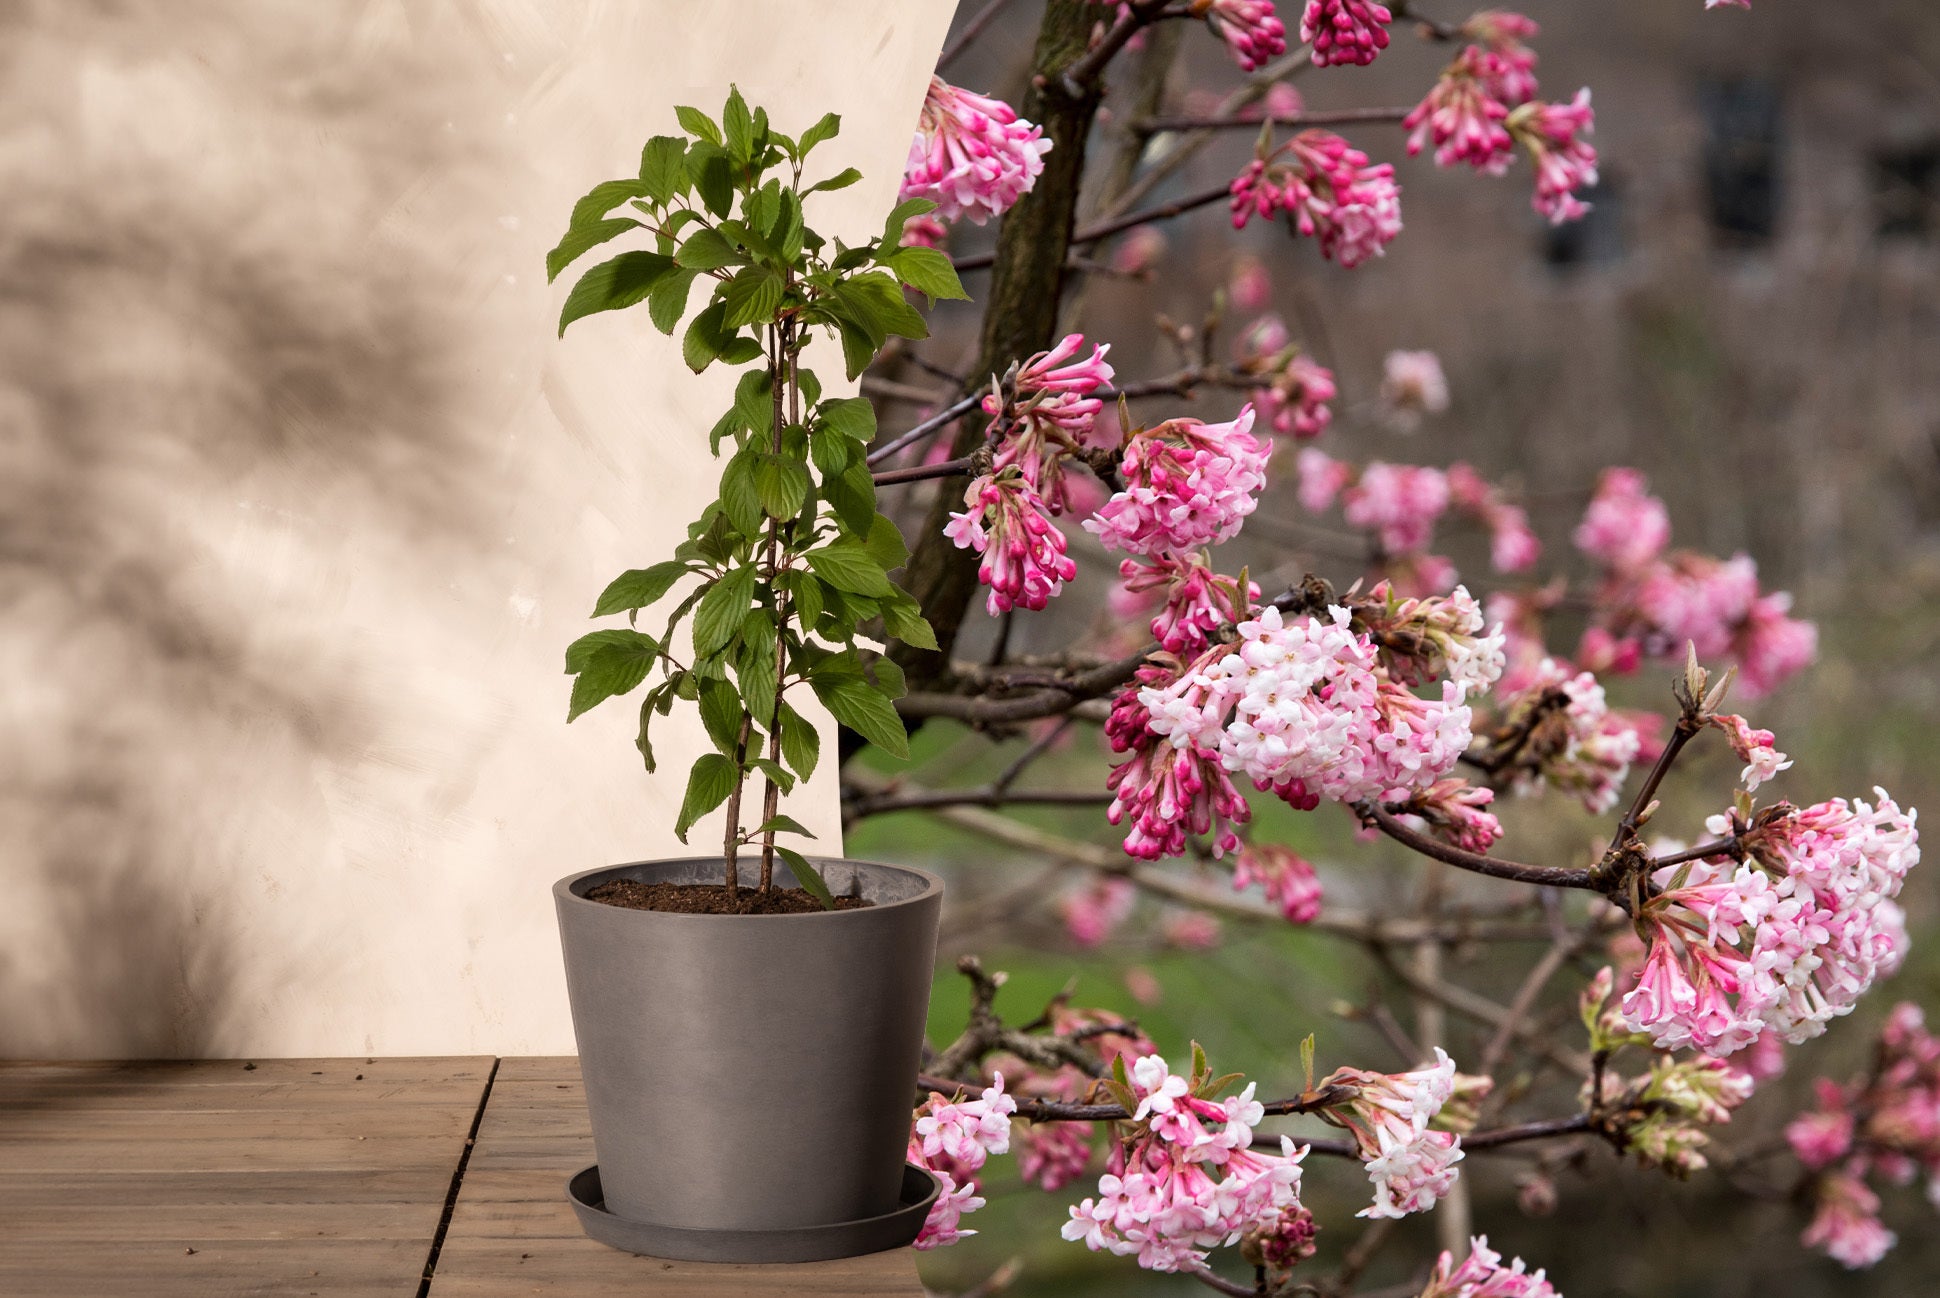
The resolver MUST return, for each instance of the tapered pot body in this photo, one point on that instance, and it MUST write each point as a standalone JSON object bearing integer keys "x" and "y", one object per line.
{"x": 751, "y": 1072}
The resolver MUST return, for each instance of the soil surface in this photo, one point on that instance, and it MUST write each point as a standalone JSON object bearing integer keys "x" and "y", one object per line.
{"x": 713, "y": 899}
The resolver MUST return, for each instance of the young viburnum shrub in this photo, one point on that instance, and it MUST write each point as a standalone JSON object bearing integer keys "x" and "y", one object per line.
{"x": 778, "y": 575}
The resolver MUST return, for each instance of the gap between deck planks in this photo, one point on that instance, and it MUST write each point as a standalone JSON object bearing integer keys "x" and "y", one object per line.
{"x": 329, "y": 1177}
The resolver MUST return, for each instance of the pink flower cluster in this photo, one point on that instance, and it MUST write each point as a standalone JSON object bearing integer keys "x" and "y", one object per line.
{"x": 1286, "y": 877}
{"x": 1198, "y": 602}
{"x": 1006, "y": 521}
{"x": 1093, "y": 910}
{"x": 952, "y": 1140}
{"x": 1250, "y": 29}
{"x": 1166, "y": 790}
{"x": 1411, "y": 1164}
{"x": 1757, "y": 749}
{"x": 1782, "y": 941}
{"x": 1482, "y": 1275}
{"x": 1582, "y": 746}
{"x": 1458, "y": 812}
{"x": 1188, "y": 1178}
{"x": 1565, "y": 161}
{"x": 1513, "y": 545}
{"x": 1345, "y": 31}
{"x": 1297, "y": 392}
{"x": 1306, "y": 709}
{"x": 1656, "y": 602}
{"x": 1463, "y": 118}
{"x": 1330, "y": 193}
{"x": 1886, "y": 1124}
{"x": 1187, "y": 484}
{"x": 1511, "y": 65}
{"x": 1399, "y": 503}
{"x": 1412, "y": 385}
{"x": 1432, "y": 636}
{"x": 972, "y": 156}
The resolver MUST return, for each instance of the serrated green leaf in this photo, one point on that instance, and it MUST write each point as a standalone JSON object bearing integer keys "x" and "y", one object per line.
{"x": 906, "y": 624}
{"x": 858, "y": 349}
{"x": 721, "y": 713}
{"x": 899, "y": 215}
{"x": 801, "y": 745}
{"x": 807, "y": 876}
{"x": 754, "y": 401}
{"x": 752, "y": 297}
{"x": 642, "y": 740}
{"x": 852, "y": 417}
{"x": 668, "y": 301}
{"x": 809, "y": 602}
{"x": 605, "y": 664}
{"x": 756, "y": 665}
{"x": 885, "y": 542}
{"x": 773, "y": 771}
{"x": 850, "y": 568}
{"x": 615, "y": 284}
{"x": 603, "y": 198}
{"x": 840, "y": 180}
{"x": 826, "y": 129}
{"x": 885, "y": 303}
{"x": 888, "y": 674}
{"x": 663, "y": 168}
{"x": 739, "y": 496}
{"x": 927, "y": 271}
{"x": 708, "y": 786}
{"x": 782, "y": 484}
{"x": 718, "y": 616}
{"x": 715, "y": 181}
{"x": 639, "y": 588}
{"x": 783, "y": 824}
{"x": 706, "y": 250}
{"x": 737, "y": 126}
{"x": 857, "y": 705}
{"x": 695, "y": 122}
{"x": 707, "y": 338}
{"x": 580, "y": 238}
{"x": 852, "y": 495}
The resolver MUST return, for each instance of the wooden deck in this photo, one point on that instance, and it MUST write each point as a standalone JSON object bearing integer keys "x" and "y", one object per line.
{"x": 405, "y": 1178}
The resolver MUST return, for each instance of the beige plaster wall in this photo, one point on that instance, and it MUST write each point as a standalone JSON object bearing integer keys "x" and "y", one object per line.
{"x": 300, "y": 499}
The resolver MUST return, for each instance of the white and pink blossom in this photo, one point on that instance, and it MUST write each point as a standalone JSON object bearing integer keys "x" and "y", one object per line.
{"x": 1187, "y": 484}
{"x": 973, "y": 156}
{"x": 1345, "y": 31}
{"x": 1330, "y": 193}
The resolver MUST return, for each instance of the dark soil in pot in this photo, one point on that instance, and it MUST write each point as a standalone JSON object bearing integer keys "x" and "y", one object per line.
{"x": 713, "y": 899}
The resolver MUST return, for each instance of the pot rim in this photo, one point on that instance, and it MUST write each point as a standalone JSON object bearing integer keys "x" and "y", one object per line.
{"x": 563, "y": 892}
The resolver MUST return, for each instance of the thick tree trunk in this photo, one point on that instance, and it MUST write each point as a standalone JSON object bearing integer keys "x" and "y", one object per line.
{"x": 1020, "y": 309}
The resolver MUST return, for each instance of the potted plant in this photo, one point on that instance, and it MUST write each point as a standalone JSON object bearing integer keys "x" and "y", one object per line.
{"x": 750, "y": 1046}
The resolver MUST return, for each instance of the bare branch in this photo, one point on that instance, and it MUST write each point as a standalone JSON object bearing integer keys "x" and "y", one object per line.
{"x": 968, "y": 36}
{"x": 1548, "y": 876}
{"x": 1253, "y": 121}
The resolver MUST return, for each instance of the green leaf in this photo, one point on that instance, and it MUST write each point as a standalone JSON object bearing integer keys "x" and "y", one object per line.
{"x": 852, "y": 495}
{"x": 852, "y": 417}
{"x": 782, "y": 484}
{"x": 579, "y": 238}
{"x": 756, "y": 666}
{"x": 707, "y": 338}
{"x": 840, "y": 180}
{"x": 807, "y": 876}
{"x": 858, "y": 348}
{"x": 721, "y": 713}
{"x": 663, "y": 168}
{"x": 603, "y": 198}
{"x": 708, "y": 786}
{"x": 668, "y": 302}
{"x": 752, "y": 297}
{"x": 850, "y": 568}
{"x": 641, "y": 741}
{"x": 707, "y": 250}
{"x": 857, "y": 705}
{"x": 881, "y": 296}
{"x": 899, "y": 215}
{"x": 754, "y": 401}
{"x": 827, "y": 129}
{"x": 773, "y": 771}
{"x": 615, "y": 284}
{"x": 737, "y": 126}
{"x": 719, "y": 614}
{"x": 885, "y": 542}
{"x": 740, "y": 350}
{"x": 716, "y": 182}
{"x": 739, "y": 495}
{"x": 906, "y": 624}
{"x": 639, "y": 588}
{"x": 889, "y": 677}
{"x": 605, "y": 664}
{"x": 695, "y": 122}
{"x": 801, "y": 745}
{"x": 783, "y": 824}
{"x": 808, "y": 599}
{"x": 927, "y": 271}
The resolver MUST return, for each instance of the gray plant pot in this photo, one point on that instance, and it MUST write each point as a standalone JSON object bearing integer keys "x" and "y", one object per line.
{"x": 750, "y": 1073}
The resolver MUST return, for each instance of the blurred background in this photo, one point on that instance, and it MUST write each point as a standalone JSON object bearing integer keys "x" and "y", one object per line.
{"x": 1751, "y": 316}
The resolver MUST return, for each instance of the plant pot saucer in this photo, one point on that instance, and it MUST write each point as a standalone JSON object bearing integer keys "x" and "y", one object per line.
{"x": 787, "y": 1244}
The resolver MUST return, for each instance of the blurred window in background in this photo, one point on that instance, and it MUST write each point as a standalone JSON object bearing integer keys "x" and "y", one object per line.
{"x": 1906, "y": 189}
{"x": 1597, "y": 239}
{"x": 1743, "y": 134}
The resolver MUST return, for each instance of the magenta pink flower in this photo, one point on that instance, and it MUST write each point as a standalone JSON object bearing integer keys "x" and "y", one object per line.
{"x": 1139, "y": 251}
{"x": 1741, "y": 4}
{"x": 1345, "y": 31}
{"x": 1772, "y": 647}
{"x": 1250, "y": 284}
{"x": 1462, "y": 117}
{"x": 972, "y": 156}
{"x": 1295, "y": 400}
{"x": 1412, "y": 385}
{"x": 1164, "y": 789}
{"x": 1482, "y": 1275}
{"x": 1251, "y": 31}
{"x": 1457, "y": 812}
{"x": 1285, "y": 876}
{"x": 1053, "y": 414}
{"x": 1510, "y": 66}
{"x": 952, "y": 1140}
{"x": 1755, "y": 748}
{"x": 941, "y": 1228}
{"x": 1590, "y": 748}
{"x": 1399, "y": 502}
{"x": 1322, "y": 478}
{"x": 1197, "y": 601}
{"x": 1005, "y": 521}
{"x": 1821, "y": 1138}
{"x": 1625, "y": 527}
{"x": 1565, "y": 161}
{"x": 924, "y": 232}
{"x": 1051, "y": 1155}
{"x": 1093, "y": 910}
{"x": 1329, "y": 192}
{"x": 1411, "y": 1165}
{"x": 1846, "y": 1223}
{"x": 1187, "y": 484}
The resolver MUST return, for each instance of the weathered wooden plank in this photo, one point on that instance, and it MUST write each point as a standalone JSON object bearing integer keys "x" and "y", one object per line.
{"x": 375, "y": 1186}
{"x": 171, "y": 1221}
{"x": 540, "y": 1068}
{"x": 280, "y": 1154}
{"x": 239, "y": 1072}
{"x": 146, "y": 1096}
{"x": 316, "y": 1119}
{"x": 230, "y": 1269}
